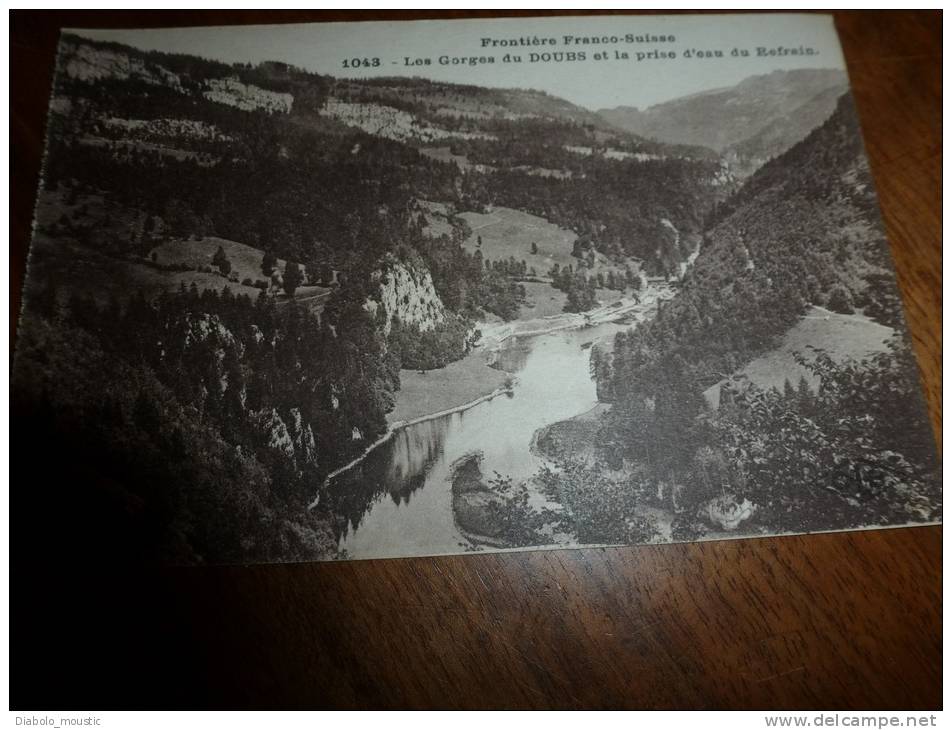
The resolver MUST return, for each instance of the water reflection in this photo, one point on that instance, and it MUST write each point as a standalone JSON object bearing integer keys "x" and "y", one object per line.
{"x": 513, "y": 357}
{"x": 398, "y": 500}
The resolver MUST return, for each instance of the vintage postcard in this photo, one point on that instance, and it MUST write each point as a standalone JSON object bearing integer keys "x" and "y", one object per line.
{"x": 360, "y": 290}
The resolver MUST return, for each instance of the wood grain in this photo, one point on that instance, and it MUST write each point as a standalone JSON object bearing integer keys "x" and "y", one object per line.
{"x": 849, "y": 621}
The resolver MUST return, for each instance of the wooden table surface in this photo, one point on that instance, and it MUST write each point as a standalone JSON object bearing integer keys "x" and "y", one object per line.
{"x": 849, "y": 621}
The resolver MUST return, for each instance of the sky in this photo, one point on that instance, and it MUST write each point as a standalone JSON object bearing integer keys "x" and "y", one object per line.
{"x": 592, "y": 83}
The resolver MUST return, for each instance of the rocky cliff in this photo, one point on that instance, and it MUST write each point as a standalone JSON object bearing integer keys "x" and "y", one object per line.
{"x": 406, "y": 292}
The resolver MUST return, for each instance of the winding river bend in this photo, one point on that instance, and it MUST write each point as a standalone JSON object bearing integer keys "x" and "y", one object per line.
{"x": 398, "y": 500}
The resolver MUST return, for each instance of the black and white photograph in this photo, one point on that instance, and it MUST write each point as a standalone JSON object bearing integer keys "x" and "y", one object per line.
{"x": 378, "y": 290}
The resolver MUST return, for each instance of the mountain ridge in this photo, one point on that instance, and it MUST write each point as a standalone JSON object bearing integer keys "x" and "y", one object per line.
{"x": 722, "y": 406}
{"x": 727, "y": 118}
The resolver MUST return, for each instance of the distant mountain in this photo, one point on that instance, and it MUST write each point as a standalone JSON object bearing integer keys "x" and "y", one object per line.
{"x": 757, "y": 119}
{"x": 179, "y": 129}
{"x": 691, "y": 404}
{"x": 251, "y": 254}
{"x": 802, "y": 230}
{"x": 784, "y": 132}
{"x": 447, "y": 109}
{"x": 476, "y": 103}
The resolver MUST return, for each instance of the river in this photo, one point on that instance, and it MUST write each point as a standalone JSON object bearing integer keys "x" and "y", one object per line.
{"x": 398, "y": 500}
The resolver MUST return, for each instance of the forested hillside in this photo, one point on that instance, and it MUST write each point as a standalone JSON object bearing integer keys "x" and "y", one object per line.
{"x": 249, "y": 251}
{"x": 803, "y": 230}
{"x": 748, "y": 123}
{"x": 172, "y": 133}
{"x": 233, "y": 266}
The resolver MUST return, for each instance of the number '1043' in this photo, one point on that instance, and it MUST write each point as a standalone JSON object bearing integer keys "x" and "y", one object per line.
{"x": 361, "y": 62}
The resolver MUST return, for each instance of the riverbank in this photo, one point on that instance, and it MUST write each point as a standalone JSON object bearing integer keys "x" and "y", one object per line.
{"x": 633, "y": 309}
{"x": 436, "y": 391}
{"x": 425, "y": 394}
{"x": 467, "y": 382}
{"x": 573, "y": 438}
{"x": 476, "y": 508}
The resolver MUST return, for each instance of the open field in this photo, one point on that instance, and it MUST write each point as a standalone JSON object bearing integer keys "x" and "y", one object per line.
{"x": 841, "y": 336}
{"x": 85, "y": 265}
{"x": 245, "y": 260}
{"x": 78, "y": 269}
{"x": 506, "y": 232}
{"x": 543, "y": 300}
{"x": 458, "y": 383}
{"x": 86, "y": 272}
{"x": 245, "y": 264}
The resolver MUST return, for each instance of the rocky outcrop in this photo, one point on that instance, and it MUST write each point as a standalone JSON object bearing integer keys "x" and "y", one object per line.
{"x": 247, "y": 97}
{"x": 573, "y": 438}
{"x": 477, "y": 510}
{"x": 86, "y": 63}
{"x": 391, "y": 123}
{"x": 292, "y": 437}
{"x": 276, "y": 430}
{"x": 406, "y": 292}
{"x": 201, "y": 327}
{"x": 144, "y": 129}
{"x": 728, "y": 512}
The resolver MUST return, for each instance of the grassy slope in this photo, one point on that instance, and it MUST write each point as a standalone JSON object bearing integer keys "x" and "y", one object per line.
{"x": 506, "y": 232}
{"x": 437, "y": 390}
{"x": 84, "y": 271}
{"x": 245, "y": 260}
{"x": 87, "y": 270}
{"x": 841, "y": 336}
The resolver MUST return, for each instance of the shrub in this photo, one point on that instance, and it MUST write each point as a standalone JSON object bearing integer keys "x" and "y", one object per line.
{"x": 840, "y": 301}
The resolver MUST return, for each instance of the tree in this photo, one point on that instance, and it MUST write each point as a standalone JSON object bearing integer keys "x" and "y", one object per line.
{"x": 841, "y": 301}
{"x": 292, "y": 278}
{"x": 318, "y": 272}
{"x": 179, "y": 218}
{"x": 789, "y": 392}
{"x": 534, "y": 248}
{"x": 268, "y": 263}
{"x": 221, "y": 261}
{"x": 805, "y": 398}
{"x": 580, "y": 293}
